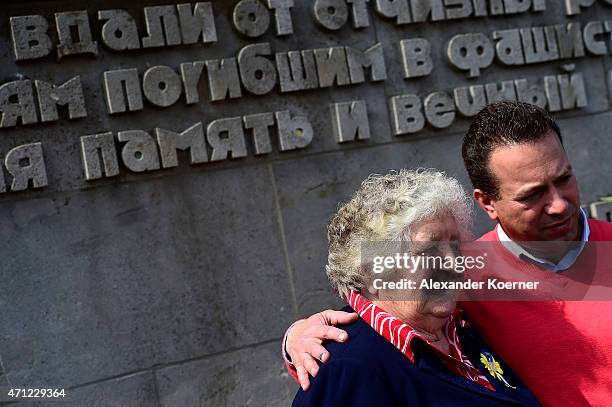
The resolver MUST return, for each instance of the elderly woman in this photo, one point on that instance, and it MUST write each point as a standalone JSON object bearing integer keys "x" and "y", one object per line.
{"x": 408, "y": 347}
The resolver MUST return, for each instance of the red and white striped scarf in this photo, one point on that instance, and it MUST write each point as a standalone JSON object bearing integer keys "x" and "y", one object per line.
{"x": 401, "y": 335}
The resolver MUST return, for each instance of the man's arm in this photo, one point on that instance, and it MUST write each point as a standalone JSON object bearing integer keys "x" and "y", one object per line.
{"x": 302, "y": 345}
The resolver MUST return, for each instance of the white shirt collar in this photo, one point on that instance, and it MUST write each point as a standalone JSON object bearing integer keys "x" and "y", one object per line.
{"x": 566, "y": 262}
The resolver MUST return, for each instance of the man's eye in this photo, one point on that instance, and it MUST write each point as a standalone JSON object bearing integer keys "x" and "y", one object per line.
{"x": 530, "y": 197}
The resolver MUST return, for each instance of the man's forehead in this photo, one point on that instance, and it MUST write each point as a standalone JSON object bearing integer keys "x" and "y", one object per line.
{"x": 532, "y": 162}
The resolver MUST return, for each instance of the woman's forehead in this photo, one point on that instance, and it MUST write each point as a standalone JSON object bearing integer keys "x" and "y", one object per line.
{"x": 442, "y": 227}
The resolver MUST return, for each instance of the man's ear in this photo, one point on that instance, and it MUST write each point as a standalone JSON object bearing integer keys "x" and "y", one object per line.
{"x": 486, "y": 203}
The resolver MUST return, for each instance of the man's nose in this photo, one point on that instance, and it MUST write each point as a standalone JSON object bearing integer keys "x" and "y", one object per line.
{"x": 557, "y": 205}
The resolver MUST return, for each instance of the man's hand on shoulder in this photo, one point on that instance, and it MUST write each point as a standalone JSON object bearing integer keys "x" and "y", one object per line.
{"x": 304, "y": 341}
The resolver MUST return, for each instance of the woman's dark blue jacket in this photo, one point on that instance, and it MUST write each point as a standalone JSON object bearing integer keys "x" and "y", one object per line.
{"x": 367, "y": 370}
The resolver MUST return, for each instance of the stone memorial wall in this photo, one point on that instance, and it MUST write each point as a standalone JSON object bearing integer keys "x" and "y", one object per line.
{"x": 168, "y": 169}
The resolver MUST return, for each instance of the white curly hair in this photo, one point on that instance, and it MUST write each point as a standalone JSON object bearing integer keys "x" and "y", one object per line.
{"x": 383, "y": 209}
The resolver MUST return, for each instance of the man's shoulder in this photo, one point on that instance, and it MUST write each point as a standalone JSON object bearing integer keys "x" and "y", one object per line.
{"x": 600, "y": 230}
{"x": 490, "y": 236}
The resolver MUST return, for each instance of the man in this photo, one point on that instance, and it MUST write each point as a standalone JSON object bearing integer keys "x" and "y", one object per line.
{"x": 522, "y": 178}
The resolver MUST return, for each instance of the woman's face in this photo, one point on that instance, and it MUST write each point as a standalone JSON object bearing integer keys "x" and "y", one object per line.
{"x": 437, "y": 237}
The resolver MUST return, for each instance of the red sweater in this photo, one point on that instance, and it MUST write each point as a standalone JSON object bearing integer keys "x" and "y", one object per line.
{"x": 561, "y": 349}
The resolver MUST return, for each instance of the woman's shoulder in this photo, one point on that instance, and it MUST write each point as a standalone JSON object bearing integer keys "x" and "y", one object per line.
{"x": 363, "y": 339}
{"x": 367, "y": 351}
{"x": 352, "y": 376}
{"x": 365, "y": 370}
{"x": 346, "y": 382}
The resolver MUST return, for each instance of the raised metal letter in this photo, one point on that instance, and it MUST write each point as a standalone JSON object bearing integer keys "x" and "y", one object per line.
{"x": 331, "y": 14}
{"x": 282, "y": 16}
{"x": 223, "y": 79}
{"x": 251, "y": 18}
{"x": 508, "y": 47}
{"x": 572, "y": 7}
{"x": 539, "y": 44}
{"x": 260, "y": 123}
{"x": 140, "y": 152}
{"x": 296, "y": 70}
{"x": 30, "y": 39}
{"x": 470, "y": 100}
{"x": 516, "y": 6}
{"x": 257, "y": 72}
{"x": 551, "y": 88}
{"x": 471, "y": 52}
{"x": 116, "y": 93}
{"x": 422, "y": 10}
{"x": 398, "y": 9}
{"x": 120, "y": 31}
{"x": 191, "y": 72}
{"x": 373, "y": 58}
{"x": 569, "y": 39}
{"x": 593, "y": 45}
{"x": 70, "y": 93}
{"x": 161, "y": 86}
{"x": 359, "y": 11}
{"x": 458, "y": 8}
{"x": 191, "y": 139}
{"x": 407, "y": 116}
{"x": 233, "y": 141}
{"x": 332, "y": 66}
{"x": 573, "y": 92}
{"x": 197, "y": 23}
{"x": 439, "y": 109}
{"x": 350, "y": 121}
{"x": 23, "y": 108}
{"x": 34, "y": 169}
{"x": 416, "y": 57}
{"x": 500, "y": 92}
{"x": 530, "y": 94}
{"x": 293, "y": 132}
{"x": 155, "y": 18}
{"x": 96, "y": 147}
{"x": 68, "y": 45}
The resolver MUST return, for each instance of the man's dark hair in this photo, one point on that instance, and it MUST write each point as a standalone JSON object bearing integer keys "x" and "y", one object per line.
{"x": 497, "y": 125}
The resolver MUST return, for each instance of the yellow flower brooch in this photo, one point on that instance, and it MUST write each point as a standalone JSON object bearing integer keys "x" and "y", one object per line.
{"x": 494, "y": 368}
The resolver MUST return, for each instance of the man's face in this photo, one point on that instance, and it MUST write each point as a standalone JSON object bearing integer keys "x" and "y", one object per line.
{"x": 538, "y": 193}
